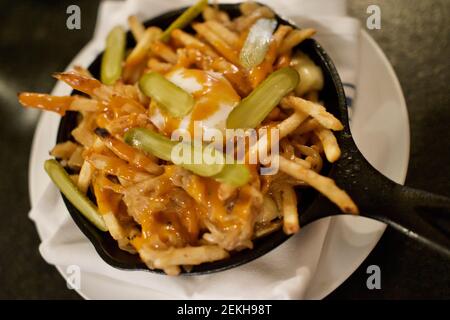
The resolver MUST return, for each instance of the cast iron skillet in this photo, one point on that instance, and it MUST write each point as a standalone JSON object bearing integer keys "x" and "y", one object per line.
{"x": 418, "y": 214}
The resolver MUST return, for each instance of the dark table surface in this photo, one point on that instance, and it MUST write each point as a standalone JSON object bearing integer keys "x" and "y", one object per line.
{"x": 415, "y": 36}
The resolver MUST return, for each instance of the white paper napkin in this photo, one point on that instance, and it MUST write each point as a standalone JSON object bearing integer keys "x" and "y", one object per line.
{"x": 285, "y": 272}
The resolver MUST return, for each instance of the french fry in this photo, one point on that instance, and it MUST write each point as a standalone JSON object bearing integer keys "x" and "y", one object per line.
{"x": 83, "y": 133}
{"x": 317, "y": 146}
{"x": 106, "y": 183}
{"x": 136, "y": 27}
{"x": 131, "y": 155}
{"x": 288, "y": 125}
{"x": 192, "y": 256}
{"x": 324, "y": 185}
{"x": 330, "y": 145}
{"x": 57, "y": 104}
{"x": 98, "y": 147}
{"x": 114, "y": 228}
{"x": 268, "y": 212}
{"x": 80, "y": 82}
{"x": 117, "y": 167}
{"x": 142, "y": 49}
{"x": 209, "y": 13}
{"x": 213, "y": 14}
{"x": 266, "y": 229}
{"x": 88, "y": 85}
{"x": 187, "y": 40}
{"x": 218, "y": 43}
{"x": 163, "y": 51}
{"x": 159, "y": 66}
{"x": 76, "y": 159}
{"x": 132, "y": 73}
{"x": 245, "y": 22}
{"x": 294, "y": 38}
{"x": 164, "y": 259}
{"x": 312, "y": 156}
{"x": 248, "y": 7}
{"x": 231, "y": 38}
{"x": 281, "y": 34}
{"x": 84, "y": 104}
{"x": 85, "y": 176}
{"x": 315, "y": 110}
{"x": 290, "y": 214}
{"x": 307, "y": 126}
{"x": 45, "y": 102}
{"x": 305, "y": 164}
{"x": 284, "y": 128}
{"x": 64, "y": 150}
{"x": 83, "y": 71}
{"x": 223, "y": 18}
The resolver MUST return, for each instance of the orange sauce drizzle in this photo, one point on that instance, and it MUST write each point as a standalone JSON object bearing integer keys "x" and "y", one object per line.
{"x": 46, "y": 102}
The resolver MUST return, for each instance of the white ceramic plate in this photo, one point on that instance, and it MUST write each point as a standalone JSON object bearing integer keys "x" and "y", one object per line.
{"x": 380, "y": 128}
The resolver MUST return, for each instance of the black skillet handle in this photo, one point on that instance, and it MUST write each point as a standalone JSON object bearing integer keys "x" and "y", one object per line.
{"x": 419, "y": 214}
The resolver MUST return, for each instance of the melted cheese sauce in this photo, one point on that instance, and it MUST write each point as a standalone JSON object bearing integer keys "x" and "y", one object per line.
{"x": 214, "y": 99}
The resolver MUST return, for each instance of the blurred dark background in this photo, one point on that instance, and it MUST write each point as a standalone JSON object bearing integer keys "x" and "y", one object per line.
{"x": 415, "y": 36}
